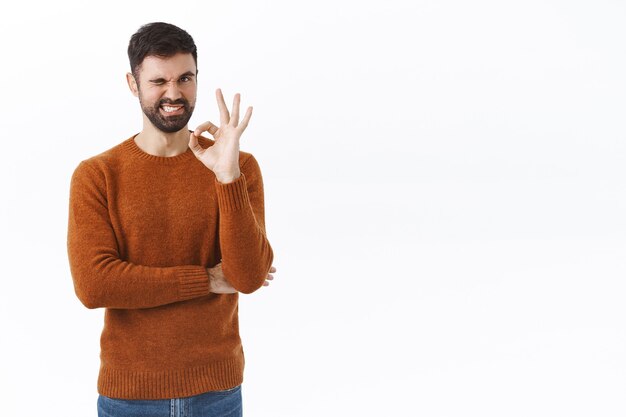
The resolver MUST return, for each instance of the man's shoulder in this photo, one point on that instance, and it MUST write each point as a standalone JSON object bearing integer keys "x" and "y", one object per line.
{"x": 114, "y": 152}
{"x": 105, "y": 159}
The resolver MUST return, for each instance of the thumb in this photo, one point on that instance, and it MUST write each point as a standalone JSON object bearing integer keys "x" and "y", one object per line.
{"x": 194, "y": 145}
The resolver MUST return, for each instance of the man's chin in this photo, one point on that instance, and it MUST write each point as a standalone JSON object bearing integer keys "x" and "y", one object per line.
{"x": 172, "y": 126}
{"x": 168, "y": 124}
{"x": 170, "y": 129}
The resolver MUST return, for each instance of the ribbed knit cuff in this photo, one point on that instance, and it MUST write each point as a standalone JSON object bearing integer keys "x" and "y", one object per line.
{"x": 194, "y": 282}
{"x": 233, "y": 195}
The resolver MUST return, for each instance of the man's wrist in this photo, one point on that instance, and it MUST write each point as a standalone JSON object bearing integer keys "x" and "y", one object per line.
{"x": 227, "y": 178}
{"x": 209, "y": 272}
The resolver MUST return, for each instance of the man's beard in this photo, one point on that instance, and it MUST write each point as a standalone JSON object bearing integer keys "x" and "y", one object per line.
{"x": 168, "y": 124}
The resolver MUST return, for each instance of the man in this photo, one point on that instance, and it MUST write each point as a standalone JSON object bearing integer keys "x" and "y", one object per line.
{"x": 165, "y": 229}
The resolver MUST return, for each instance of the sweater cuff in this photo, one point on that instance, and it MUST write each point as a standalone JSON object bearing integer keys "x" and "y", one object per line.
{"x": 194, "y": 282}
{"x": 232, "y": 196}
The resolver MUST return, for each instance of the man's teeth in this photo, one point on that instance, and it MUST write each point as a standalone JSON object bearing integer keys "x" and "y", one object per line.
{"x": 169, "y": 109}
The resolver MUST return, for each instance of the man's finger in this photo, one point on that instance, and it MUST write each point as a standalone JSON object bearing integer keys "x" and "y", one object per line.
{"x": 234, "y": 117}
{"x": 224, "y": 115}
{"x": 246, "y": 119}
{"x": 206, "y": 127}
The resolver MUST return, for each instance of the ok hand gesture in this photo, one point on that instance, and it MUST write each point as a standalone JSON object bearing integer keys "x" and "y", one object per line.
{"x": 223, "y": 157}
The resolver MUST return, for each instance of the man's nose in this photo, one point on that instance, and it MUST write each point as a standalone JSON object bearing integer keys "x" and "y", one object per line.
{"x": 172, "y": 91}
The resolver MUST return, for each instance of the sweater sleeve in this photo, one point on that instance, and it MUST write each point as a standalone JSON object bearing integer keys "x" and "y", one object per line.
{"x": 101, "y": 278}
{"x": 246, "y": 253}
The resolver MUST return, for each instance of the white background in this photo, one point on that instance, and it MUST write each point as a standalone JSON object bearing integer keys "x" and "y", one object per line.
{"x": 444, "y": 195}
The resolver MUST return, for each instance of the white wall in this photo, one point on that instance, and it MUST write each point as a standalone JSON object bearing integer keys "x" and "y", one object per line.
{"x": 444, "y": 195}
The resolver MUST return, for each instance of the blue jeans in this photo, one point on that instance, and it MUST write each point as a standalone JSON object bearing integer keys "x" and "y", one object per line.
{"x": 226, "y": 403}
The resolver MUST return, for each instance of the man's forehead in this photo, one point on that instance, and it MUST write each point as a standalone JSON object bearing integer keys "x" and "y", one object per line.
{"x": 171, "y": 65}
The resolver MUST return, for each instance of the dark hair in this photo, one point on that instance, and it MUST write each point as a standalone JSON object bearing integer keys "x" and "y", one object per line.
{"x": 159, "y": 39}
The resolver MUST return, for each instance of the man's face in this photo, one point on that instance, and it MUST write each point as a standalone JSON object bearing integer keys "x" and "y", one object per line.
{"x": 167, "y": 90}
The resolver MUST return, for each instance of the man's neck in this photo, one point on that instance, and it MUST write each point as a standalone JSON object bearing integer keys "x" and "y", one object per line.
{"x": 156, "y": 142}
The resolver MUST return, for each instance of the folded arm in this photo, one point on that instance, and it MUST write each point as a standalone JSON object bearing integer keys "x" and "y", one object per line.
{"x": 101, "y": 278}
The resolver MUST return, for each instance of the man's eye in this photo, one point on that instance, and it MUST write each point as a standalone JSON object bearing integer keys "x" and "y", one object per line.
{"x": 185, "y": 79}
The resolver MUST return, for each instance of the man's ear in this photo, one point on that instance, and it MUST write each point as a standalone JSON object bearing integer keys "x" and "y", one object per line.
{"x": 132, "y": 84}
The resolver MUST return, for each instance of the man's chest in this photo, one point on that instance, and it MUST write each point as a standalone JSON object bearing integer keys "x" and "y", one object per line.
{"x": 164, "y": 206}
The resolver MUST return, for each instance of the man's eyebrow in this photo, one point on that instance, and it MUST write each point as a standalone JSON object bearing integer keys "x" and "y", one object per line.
{"x": 160, "y": 80}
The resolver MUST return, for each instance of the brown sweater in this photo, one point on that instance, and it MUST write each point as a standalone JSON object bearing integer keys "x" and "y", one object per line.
{"x": 142, "y": 230}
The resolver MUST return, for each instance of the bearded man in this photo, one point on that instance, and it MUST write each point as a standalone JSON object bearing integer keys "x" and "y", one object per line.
{"x": 165, "y": 230}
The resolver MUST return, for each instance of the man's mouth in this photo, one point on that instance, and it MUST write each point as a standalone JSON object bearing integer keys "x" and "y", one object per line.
{"x": 172, "y": 110}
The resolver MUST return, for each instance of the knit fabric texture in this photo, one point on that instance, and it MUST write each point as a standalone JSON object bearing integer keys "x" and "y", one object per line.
{"x": 142, "y": 231}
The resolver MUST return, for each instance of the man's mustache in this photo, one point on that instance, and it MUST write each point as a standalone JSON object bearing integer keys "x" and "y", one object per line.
{"x": 179, "y": 101}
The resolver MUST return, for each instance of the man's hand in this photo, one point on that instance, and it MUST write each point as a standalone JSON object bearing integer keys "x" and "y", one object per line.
{"x": 223, "y": 157}
{"x": 218, "y": 283}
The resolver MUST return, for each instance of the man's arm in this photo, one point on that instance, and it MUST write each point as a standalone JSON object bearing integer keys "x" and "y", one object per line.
{"x": 246, "y": 253}
{"x": 101, "y": 278}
